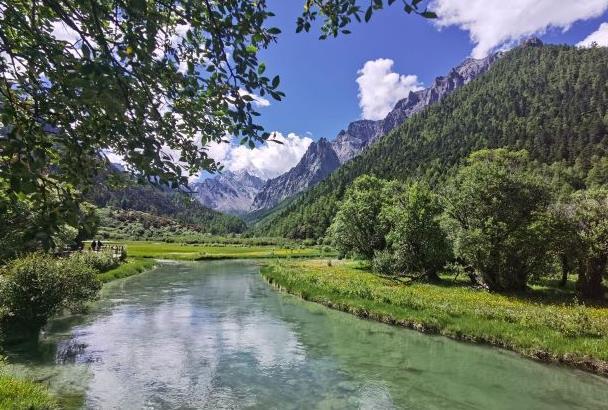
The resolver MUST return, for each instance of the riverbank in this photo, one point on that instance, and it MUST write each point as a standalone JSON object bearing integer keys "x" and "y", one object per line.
{"x": 141, "y": 255}
{"x": 194, "y": 252}
{"x": 24, "y": 394}
{"x": 132, "y": 266}
{"x": 541, "y": 324}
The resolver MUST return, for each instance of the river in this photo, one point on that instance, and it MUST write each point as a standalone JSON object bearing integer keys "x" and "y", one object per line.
{"x": 216, "y": 335}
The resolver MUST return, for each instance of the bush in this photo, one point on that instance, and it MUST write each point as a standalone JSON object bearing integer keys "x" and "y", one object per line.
{"x": 37, "y": 286}
{"x": 99, "y": 261}
{"x": 309, "y": 242}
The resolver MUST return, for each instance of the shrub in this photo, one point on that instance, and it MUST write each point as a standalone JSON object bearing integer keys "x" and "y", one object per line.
{"x": 37, "y": 286}
{"x": 99, "y": 261}
{"x": 24, "y": 394}
{"x": 309, "y": 242}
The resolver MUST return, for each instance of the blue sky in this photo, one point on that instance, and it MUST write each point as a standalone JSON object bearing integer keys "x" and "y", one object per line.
{"x": 319, "y": 77}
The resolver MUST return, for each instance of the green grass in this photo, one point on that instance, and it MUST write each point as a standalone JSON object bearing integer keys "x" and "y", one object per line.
{"x": 537, "y": 324}
{"x": 141, "y": 254}
{"x": 163, "y": 250}
{"x": 132, "y": 266}
{"x": 24, "y": 394}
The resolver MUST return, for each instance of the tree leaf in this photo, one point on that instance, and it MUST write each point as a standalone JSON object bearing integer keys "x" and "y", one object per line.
{"x": 368, "y": 14}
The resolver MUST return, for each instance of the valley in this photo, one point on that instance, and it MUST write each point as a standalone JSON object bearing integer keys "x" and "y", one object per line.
{"x": 202, "y": 205}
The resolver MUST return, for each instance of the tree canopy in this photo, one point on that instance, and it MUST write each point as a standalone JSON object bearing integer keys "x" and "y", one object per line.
{"x": 151, "y": 81}
{"x": 494, "y": 205}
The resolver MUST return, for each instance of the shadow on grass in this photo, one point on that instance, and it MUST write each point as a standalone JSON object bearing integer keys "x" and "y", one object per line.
{"x": 544, "y": 291}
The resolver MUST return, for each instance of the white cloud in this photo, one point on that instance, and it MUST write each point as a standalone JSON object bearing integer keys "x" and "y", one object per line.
{"x": 257, "y": 100}
{"x": 63, "y": 32}
{"x": 495, "y": 23}
{"x": 380, "y": 88}
{"x": 266, "y": 161}
{"x": 599, "y": 37}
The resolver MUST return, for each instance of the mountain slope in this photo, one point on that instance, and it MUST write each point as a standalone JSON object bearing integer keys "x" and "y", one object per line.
{"x": 165, "y": 203}
{"x": 358, "y": 135}
{"x": 318, "y": 162}
{"x": 229, "y": 192}
{"x": 549, "y": 100}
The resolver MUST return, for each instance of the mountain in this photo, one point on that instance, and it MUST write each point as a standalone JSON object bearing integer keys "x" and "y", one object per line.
{"x": 358, "y": 135}
{"x": 318, "y": 162}
{"x": 228, "y": 192}
{"x": 550, "y": 100}
{"x": 161, "y": 204}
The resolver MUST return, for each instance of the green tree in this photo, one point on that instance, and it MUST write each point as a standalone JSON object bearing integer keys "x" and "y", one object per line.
{"x": 561, "y": 233}
{"x": 494, "y": 207}
{"x": 589, "y": 214}
{"x": 357, "y": 228}
{"x": 415, "y": 238}
{"x": 598, "y": 174}
{"x": 152, "y": 81}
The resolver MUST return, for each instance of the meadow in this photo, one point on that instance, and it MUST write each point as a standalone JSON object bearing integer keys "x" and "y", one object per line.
{"x": 141, "y": 254}
{"x": 543, "y": 323}
{"x": 177, "y": 251}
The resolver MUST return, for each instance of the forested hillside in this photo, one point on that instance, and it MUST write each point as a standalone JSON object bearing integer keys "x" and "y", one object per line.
{"x": 178, "y": 206}
{"x": 550, "y": 100}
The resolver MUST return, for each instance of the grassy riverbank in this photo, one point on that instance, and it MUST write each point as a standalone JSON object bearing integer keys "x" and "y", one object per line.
{"x": 163, "y": 250}
{"x": 541, "y": 324}
{"x": 142, "y": 254}
{"x": 24, "y": 394}
{"x": 132, "y": 266}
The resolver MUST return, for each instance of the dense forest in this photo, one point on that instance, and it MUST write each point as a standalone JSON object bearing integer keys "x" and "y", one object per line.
{"x": 551, "y": 101}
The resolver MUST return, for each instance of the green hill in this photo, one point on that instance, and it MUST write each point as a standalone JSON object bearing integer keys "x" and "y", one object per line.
{"x": 549, "y": 100}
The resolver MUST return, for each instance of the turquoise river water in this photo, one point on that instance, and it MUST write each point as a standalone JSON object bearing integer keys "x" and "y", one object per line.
{"x": 215, "y": 335}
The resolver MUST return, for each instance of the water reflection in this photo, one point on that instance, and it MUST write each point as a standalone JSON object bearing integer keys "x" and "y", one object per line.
{"x": 214, "y": 335}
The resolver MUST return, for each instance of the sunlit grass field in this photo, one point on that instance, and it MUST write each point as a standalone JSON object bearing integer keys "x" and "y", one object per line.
{"x": 163, "y": 250}
{"x": 538, "y": 324}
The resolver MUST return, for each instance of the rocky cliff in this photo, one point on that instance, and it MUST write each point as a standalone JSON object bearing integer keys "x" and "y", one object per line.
{"x": 229, "y": 192}
{"x": 318, "y": 162}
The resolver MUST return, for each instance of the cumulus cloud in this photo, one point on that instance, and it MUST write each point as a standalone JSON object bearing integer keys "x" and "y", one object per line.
{"x": 495, "y": 23}
{"x": 266, "y": 161}
{"x": 380, "y": 88}
{"x": 599, "y": 37}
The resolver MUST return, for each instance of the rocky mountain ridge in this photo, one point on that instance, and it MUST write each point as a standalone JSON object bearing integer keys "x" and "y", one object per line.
{"x": 318, "y": 162}
{"x": 360, "y": 134}
{"x": 228, "y": 192}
